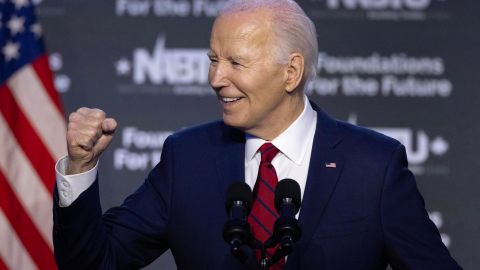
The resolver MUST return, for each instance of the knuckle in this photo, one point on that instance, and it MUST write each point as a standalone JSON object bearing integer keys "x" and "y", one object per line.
{"x": 83, "y": 110}
{"x": 73, "y": 117}
{"x": 97, "y": 113}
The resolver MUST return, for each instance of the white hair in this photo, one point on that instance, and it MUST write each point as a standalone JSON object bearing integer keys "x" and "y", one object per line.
{"x": 291, "y": 26}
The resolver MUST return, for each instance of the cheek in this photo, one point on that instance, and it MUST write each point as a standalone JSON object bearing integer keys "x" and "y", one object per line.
{"x": 266, "y": 92}
{"x": 210, "y": 74}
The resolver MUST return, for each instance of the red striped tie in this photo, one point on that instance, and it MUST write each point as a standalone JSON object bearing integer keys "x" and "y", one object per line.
{"x": 263, "y": 214}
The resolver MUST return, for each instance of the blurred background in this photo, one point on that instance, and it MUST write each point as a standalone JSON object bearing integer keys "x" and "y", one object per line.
{"x": 407, "y": 68}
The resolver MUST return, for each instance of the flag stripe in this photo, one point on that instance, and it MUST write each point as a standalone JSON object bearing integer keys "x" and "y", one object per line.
{"x": 24, "y": 227}
{"x": 11, "y": 249}
{"x": 31, "y": 96}
{"x": 32, "y": 137}
{"x": 24, "y": 181}
{"x": 2, "y": 264}
{"x": 27, "y": 138}
{"x": 41, "y": 67}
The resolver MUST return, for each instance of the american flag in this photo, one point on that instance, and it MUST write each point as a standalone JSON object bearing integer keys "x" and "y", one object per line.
{"x": 32, "y": 137}
{"x": 330, "y": 165}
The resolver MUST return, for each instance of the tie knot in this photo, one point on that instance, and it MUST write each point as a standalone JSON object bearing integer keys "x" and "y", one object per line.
{"x": 268, "y": 152}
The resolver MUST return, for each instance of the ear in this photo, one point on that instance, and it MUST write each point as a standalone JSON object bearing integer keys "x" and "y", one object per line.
{"x": 294, "y": 72}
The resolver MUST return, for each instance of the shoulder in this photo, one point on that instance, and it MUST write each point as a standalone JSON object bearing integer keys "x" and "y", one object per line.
{"x": 200, "y": 131}
{"x": 198, "y": 134}
{"x": 354, "y": 133}
{"x": 365, "y": 141}
{"x": 209, "y": 134}
{"x": 351, "y": 139}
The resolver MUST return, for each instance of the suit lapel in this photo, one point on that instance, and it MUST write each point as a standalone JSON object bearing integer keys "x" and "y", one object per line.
{"x": 324, "y": 171}
{"x": 230, "y": 158}
{"x": 321, "y": 183}
{"x": 229, "y": 162}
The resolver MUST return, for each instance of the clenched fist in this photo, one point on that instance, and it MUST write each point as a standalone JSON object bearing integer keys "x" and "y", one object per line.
{"x": 88, "y": 135}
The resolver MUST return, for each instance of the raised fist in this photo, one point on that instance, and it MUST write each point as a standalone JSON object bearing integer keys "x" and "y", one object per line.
{"x": 88, "y": 134}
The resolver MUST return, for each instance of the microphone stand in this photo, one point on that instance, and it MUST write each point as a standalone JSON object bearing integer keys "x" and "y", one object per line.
{"x": 265, "y": 263}
{"x": 285, "y": 233}
{"x": 239, "y": 250}
{"x": 284, "y": 249}
{"x": 248, "y": 261}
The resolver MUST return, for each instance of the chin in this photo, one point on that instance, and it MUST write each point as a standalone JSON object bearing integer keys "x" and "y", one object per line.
{"x": 236, "y": 123}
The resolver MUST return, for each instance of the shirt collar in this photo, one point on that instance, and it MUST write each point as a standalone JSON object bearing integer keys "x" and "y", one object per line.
{"x": 290, "y": 141}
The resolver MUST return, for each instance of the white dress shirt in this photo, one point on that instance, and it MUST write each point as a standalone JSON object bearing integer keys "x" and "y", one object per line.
{"x": 295, "y": 145}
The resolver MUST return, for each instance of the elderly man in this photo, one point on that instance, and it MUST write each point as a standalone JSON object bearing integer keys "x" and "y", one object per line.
{"x": 360, "y": 205}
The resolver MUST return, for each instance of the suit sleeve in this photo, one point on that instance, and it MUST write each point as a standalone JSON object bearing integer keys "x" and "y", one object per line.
{"x": 126, "y": 237}
{"x": 412, "y": 240}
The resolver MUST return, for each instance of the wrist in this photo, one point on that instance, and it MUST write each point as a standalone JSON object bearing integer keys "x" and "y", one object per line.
{"x": 77, "y": 167}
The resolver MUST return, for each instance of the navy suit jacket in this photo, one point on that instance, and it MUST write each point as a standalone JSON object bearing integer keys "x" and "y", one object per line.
{"x": 364, "y": 214}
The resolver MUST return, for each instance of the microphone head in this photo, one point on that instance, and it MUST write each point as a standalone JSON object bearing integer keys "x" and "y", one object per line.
{"x": 288, "y": 188}
{"x": 239, "y": 191}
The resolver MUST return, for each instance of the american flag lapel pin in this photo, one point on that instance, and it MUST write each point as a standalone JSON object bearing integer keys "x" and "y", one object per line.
{"x": 330, "y": 165}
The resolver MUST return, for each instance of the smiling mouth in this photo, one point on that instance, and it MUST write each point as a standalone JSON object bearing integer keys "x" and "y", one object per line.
{"x": 229, "y": 99}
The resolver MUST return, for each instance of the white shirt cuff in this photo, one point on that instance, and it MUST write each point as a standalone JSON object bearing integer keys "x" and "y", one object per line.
{"x": 71, "y": 186}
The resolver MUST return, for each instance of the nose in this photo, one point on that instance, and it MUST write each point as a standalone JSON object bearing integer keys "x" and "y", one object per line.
{"x": 217, "y": 76}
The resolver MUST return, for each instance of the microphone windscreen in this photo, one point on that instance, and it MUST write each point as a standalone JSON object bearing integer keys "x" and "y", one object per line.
{"x": 239, "y": 191}
{"x": 288, "y": 188}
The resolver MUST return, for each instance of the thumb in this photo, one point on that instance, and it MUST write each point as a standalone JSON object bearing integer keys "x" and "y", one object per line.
{"x": 109, "y": 126}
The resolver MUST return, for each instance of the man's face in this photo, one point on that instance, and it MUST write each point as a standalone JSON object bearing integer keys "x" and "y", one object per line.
{"x": 249, "y": 84}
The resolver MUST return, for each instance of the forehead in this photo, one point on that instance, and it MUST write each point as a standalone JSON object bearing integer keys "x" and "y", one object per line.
{"x": 251, "y": 29}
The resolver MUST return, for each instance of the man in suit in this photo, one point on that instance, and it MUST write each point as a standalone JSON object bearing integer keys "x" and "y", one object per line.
{"x": 360, "y": 205}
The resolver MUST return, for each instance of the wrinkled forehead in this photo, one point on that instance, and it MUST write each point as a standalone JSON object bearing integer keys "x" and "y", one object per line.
{"x": 245, "y": 28}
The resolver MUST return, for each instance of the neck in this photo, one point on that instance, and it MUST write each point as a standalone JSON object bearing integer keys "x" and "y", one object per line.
{"x": 293, "y": 109}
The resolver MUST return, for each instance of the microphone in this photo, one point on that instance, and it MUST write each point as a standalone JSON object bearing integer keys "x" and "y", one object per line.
{"x": 287, "y": 197}
{"x": 236, "y": 231}
{"x": 238, "y": 203}
{"x": 287, "y": 203}
{"x": 286, "y": 230}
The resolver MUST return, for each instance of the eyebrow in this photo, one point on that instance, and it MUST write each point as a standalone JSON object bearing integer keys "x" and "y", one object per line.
{"x": 211, "y": 54}
{"x": 236, "y": 58}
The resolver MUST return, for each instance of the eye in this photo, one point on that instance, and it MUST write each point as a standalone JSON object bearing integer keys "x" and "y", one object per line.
{"x": 212, "y": 57}
{"x": 235, "y": 63}
{"x": 213, "y": 61}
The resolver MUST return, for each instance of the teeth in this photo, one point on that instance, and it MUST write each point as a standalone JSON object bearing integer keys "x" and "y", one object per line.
{"x": 226, "y": 99}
